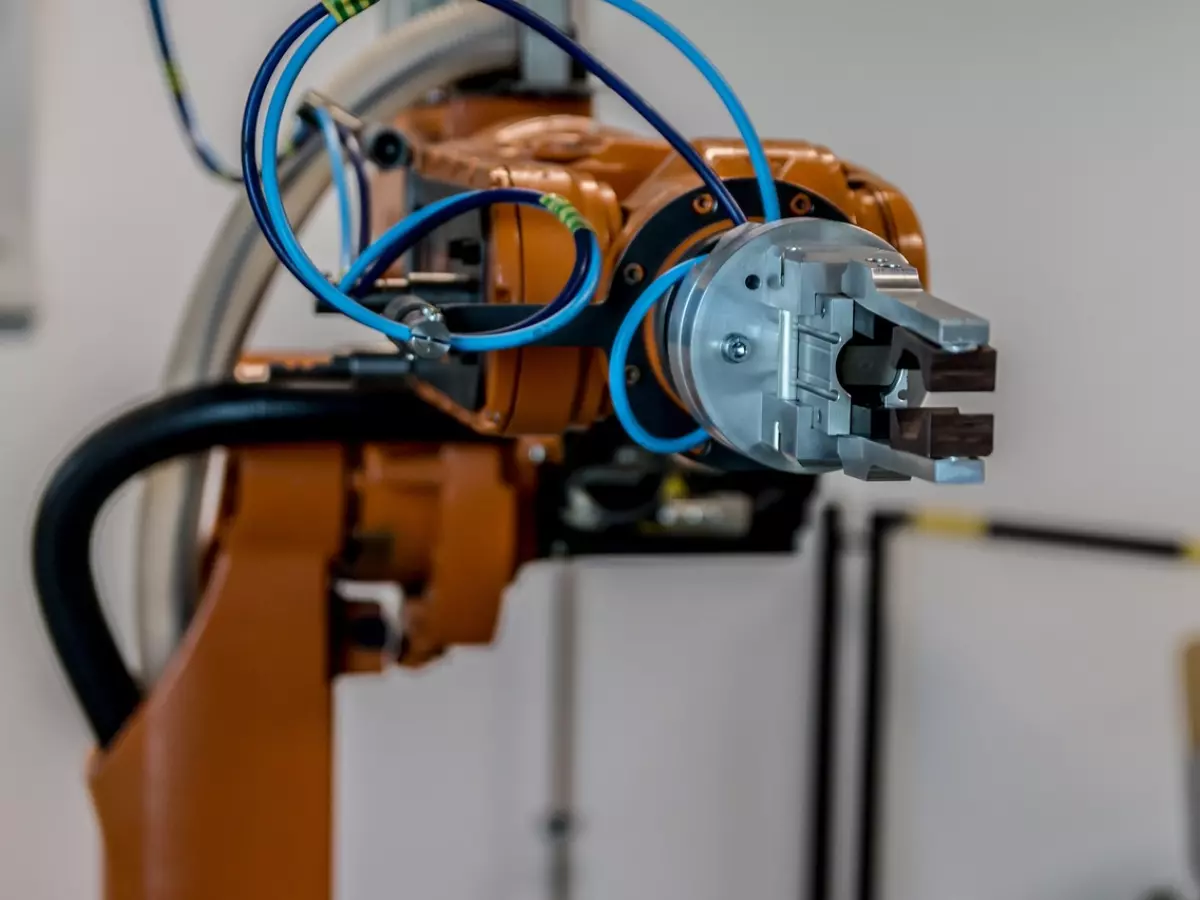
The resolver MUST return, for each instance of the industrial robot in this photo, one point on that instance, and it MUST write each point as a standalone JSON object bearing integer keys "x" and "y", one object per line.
{"x": 739, "y": 319}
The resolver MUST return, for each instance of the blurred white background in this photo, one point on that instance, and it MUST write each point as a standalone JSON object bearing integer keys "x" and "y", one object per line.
{"x": 1050, "y": 148}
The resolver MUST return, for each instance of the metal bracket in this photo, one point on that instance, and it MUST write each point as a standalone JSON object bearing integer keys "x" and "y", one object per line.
{"x": 870, "y": 461}
{"x": 543, "y": 65}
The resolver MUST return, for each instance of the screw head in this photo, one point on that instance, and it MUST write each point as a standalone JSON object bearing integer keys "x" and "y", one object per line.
{"x": 632, "y": 375}
{"x": 736, "y": 348}
{"x": 634, "y": 273}
{"x": 537, "y": 454}
{"x": 880, "y": 262}
{"x": 801, "y": 205}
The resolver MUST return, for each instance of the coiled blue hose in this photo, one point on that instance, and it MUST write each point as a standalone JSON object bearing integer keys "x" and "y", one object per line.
{"x": 584, "y": 281}
{"x": 579, "y": 291}
{"x": 250, "y": 119}
{"x": 538, "y": 23}
{"x": 311, "y": 277}
{"x": 616, "y": 368}
{"x": 394, "y": 244}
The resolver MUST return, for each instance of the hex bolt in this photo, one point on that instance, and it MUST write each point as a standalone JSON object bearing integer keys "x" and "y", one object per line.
{"x": 736, "y": 348}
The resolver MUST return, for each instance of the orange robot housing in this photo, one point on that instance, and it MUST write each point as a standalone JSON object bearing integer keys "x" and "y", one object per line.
{"x": 649, "y": 210}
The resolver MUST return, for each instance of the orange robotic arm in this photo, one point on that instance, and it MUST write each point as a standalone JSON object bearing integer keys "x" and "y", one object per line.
{"x": 446, "y": 476}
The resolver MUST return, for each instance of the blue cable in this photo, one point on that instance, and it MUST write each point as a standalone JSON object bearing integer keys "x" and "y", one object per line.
{"x": 389, "y": 249}
{"x": 289, "y": 248}
{"x": 268, "y": 206}
{"x": 616, "y": 368}
{"x": 544, "y": 27}
{"x": 533, "y": 328}
{"x": 521, "y": 335}
{"x": 341, "y": 187}
{"x": 254, "y": 103}
{"x": 754, "y": 145}
{"x": 589, "y": 61}
{"x": 359, "y": 164}
{"x": 201, "y": 148}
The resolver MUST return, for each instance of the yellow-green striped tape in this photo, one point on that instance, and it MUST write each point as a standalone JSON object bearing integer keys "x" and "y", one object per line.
{"x": 565, "y": 212}
{"x": 341, "y": 10}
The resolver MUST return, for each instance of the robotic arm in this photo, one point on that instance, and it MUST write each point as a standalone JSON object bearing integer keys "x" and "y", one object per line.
{"x": 777, "y": 351}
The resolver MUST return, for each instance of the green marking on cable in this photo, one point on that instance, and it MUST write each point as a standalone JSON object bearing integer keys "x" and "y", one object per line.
{"x": 174, "y": 79}
{"x": 342, "y": 10}
{"x": 565, "y": 212}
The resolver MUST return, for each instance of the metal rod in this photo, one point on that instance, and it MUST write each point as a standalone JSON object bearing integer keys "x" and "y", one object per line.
{"x": 872, "y": 786}
{"x": 544, "y": 65}
{"x": 874, "y": 708}
{"x": 1086, "y": 540}
{"x": 824, "y": 755}
{"x": 314, "y": 100}
{"x": 560, "y": 822}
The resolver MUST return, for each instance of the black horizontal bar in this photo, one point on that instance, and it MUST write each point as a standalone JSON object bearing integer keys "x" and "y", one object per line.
{"x": 595, "y": 326}
{"x": 979, "y": 527}
{"x": 1086, "y": 540}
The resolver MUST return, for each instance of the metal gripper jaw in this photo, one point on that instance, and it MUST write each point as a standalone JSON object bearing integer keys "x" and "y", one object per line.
{"x": 901, "y": 334}
{"x": 810, "y": 345}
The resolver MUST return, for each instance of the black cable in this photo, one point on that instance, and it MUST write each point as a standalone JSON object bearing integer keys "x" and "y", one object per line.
{"x": 250, "y": 155}
{"x": 358, "y": 163}
{"x": 201, "y": 148}
{"x": 192, "y": 421}
{"x": 825, "y": 724}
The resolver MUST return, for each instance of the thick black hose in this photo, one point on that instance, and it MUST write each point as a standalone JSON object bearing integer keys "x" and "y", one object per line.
{"x": 189, "y": 422}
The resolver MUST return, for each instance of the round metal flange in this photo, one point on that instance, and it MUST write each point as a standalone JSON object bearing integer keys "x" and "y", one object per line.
{"x": 724, "y": 339}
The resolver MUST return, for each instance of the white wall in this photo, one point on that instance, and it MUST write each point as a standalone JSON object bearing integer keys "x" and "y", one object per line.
{"x": 1049, "y": 147}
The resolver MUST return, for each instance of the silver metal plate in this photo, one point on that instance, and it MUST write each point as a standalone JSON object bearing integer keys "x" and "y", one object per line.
{"x": 755, "y": 406}
{"x": 16, "y": 162}
{"x": 544, "y": 65}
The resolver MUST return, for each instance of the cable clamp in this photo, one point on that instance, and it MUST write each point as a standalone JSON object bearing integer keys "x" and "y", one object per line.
{"x": 430, "y": 333}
